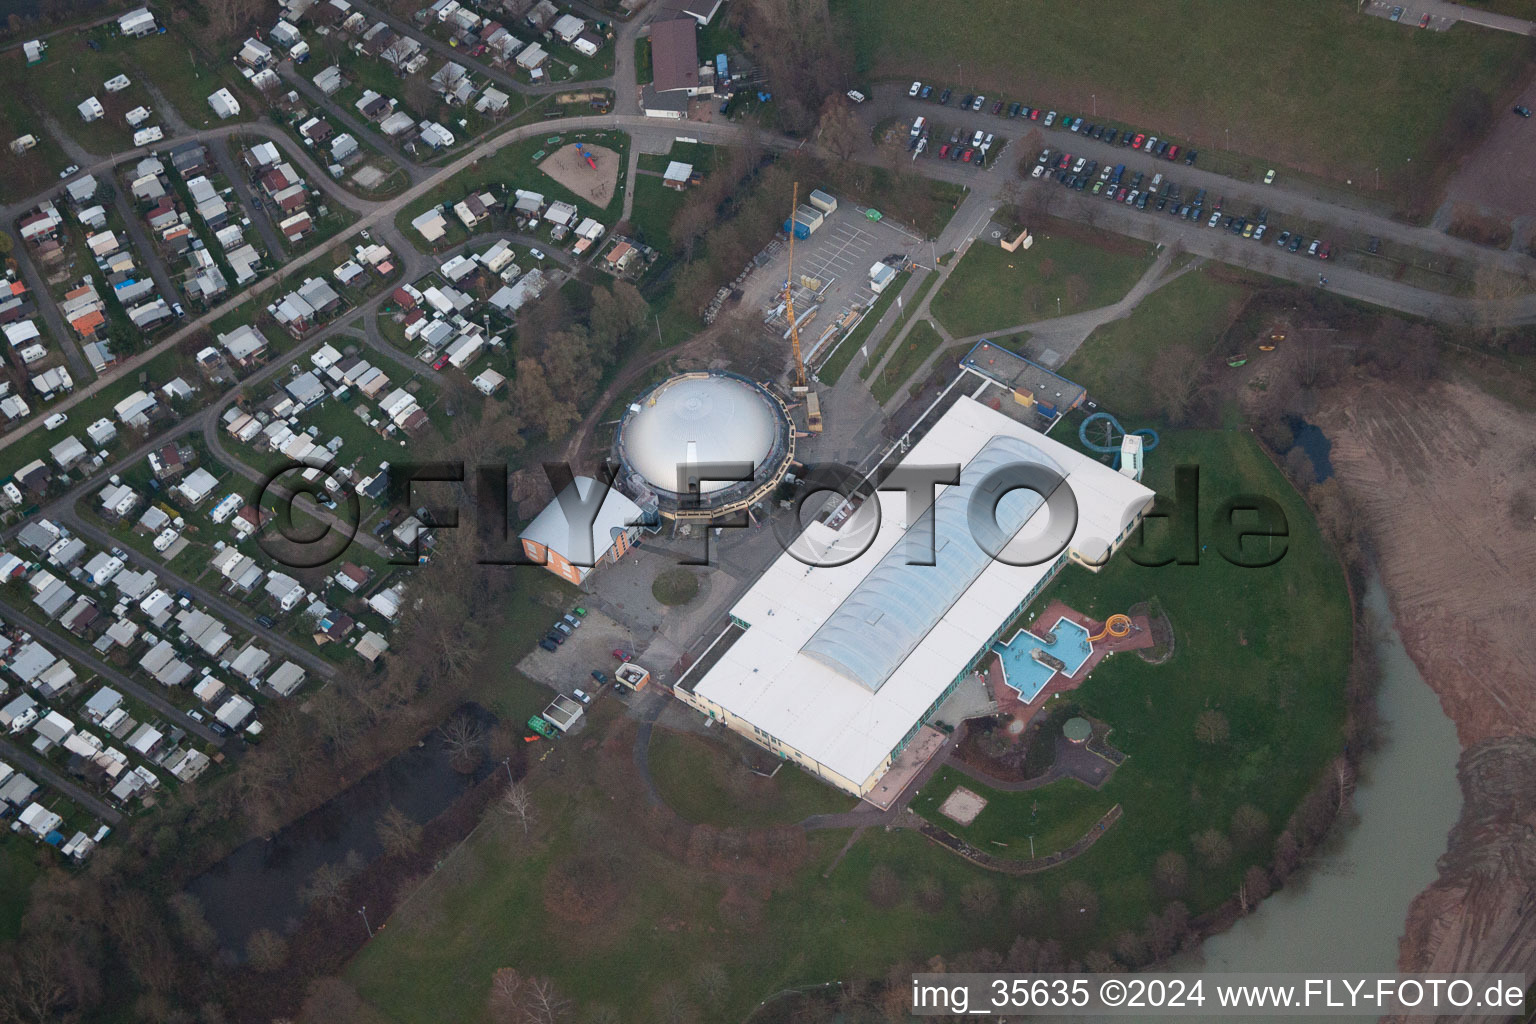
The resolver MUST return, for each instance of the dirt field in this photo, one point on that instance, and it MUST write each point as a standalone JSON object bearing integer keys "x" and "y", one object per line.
{"x": 570, "y": 169}
{"x": 962, "y": 805}
{"x": 1447, "y": 481}
{"x": 1499, "y": 176}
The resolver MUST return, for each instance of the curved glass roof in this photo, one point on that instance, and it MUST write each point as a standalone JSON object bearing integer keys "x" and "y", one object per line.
{"x": 882, "y": 621}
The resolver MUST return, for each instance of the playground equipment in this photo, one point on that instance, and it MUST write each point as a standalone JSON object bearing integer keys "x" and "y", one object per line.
{"x": 1111, "y": 445}
{"x": 591, "y": 162}
{"x": 1115, "y": 625}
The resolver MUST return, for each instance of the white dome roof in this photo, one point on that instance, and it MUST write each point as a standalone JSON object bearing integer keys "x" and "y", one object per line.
{"x": 696, "y": 420}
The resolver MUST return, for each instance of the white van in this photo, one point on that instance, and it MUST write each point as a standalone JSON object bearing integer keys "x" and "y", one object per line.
{"x": 1157, "y": 181}
{"x": 918, "y": 126}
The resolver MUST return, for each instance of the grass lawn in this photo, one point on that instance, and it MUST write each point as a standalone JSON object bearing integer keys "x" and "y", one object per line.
{"x": 1064, "y": 272}
{"x": 890, "y": 335}
{"x": 1268, "y": 648}
{"x": 702, "y": 780}
{"x": 830, "y": 370}
{"x": 920, "y": 343}
{"x": 18, "y": 866}
{"x": 1057, "y": 815}
{"x": 675, "y": 586}
{"x": 1172, "y": 77}
{"x": 69, "y": 73}
{"x": 1113, "y": 363}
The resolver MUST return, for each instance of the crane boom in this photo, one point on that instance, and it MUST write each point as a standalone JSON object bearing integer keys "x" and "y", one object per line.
{"x": 789, "y": 293}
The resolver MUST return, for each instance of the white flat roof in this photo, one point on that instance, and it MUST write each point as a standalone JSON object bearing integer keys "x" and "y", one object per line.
{"x": 844, "y": 724}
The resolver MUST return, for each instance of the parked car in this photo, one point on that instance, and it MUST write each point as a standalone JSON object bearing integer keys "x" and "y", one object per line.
{"x": 56, "y": 421}
{"x": 1248, "y": 230}
{"x": 1523, "y": 111}
{"x": 1173, "y": 152}
{"x": 555, "y": 636}
{"x": 620, "y": 653}
{"x": 1013, "y": 111}
{"x": 954, "y": 154}
{"x": 977, "y": 102}
{"x": 1137, "y": 140}
{"x": 1295, "y": 245}
{"x": 601, "y": 677}
{"x": 1037, "y": 172}
{"x": 927, "y": 91}
{"x": 965, "y": 157}
{"x": 1316, "y": 244}
{"x": 965, "y": 104}
{"x": 1424, "y": 21}
{"x": 977, "y": 138}
{"x": 440, "y": 362}
{"x": 1064, "y": 162}
{"x": 944, "y": 98}
{"x": 563, "y": 628}
{"x": 1151, "y": 144}
{"x": 1034, "y": 113}
{"x": 581, "y": 695}
{"x": 1098, "y": 132}
{"x": 944, "y": 151}
{"x": 1082, "y": 162}
{"x": 549, "y": 645}
{"x": 917, "y": 87}
{"x": 1323, "y": 251}
{"x": 1285, "y": 236}
{"x": 265, "y": 621}
{"x": 1269, "y": 176}
{"x": 1258, "y": 232}
{"x": 572, "y": 621}
{"x": 1111, "y": 135}
{"x": 1397, "y": 12}
{"x": 997, "y": 108}
{"x": 1189, "y": 159}
{"x": 1050, "y": 118}
{"x": 66, "y": 172}
{"x": 1374, "y": 246}
{"x": 1162, "y": 148}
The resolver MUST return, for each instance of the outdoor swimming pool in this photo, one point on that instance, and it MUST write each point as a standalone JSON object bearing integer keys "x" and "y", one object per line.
{"x": 1023, "y": 673}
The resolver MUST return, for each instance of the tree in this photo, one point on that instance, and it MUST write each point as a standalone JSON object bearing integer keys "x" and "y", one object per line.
{"x": 326, "y": 889}
{"x": 712, "y": 982}
{"x": 191, "y": 921}
{"x": 979, "y": 898}
{"x": 929, "y": 894}
{"x": 516, "y": 998}
{"x": 1171, "y": 872}
{"x": 1213, "y": 848}
{"x": 1130, "y": 948}
{"x": 838, "y": 131}
{"x": 517, "y": 805}
{"x": 464, "y": 740}
{"x": 1255, "y": 888}
{"x": 398, "y": 834}
{"x": 266, "y": 951}
{"x": 1079, "y": 905}
{"x": 1211, "y": 728}
{"x": 1173, "y": 379}
{"x": 1028, "y": 907}
{"x": 1249, "y": 826}
{"x": 884, "y": 887}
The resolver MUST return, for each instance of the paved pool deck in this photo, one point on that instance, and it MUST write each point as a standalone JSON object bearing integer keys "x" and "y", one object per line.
{"x": 1008, "y": 700}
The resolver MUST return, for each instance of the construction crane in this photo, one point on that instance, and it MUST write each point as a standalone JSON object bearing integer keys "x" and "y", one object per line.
{"x": 812, "y": 403}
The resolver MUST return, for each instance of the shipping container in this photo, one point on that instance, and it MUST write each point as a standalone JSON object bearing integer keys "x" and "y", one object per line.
{"x": 823, "y": 202}
{"x": 801, "y": 231}
{"x": 810, "y": 215}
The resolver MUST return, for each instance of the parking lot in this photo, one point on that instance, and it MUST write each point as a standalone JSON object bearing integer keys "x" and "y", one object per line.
{"x": 589, "y": 647}
{"x": 1409, "y": 15}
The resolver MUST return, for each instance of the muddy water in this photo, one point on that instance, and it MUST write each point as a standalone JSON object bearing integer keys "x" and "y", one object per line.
{"x": 1346, "y": 911}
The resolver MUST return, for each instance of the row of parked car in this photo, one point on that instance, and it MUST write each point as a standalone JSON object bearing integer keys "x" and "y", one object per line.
{"x": 562, "y": 630}
{"x": 1111, "y": 182}
{"x": 980, "y": 144}
{"x": 1161, "y": 148}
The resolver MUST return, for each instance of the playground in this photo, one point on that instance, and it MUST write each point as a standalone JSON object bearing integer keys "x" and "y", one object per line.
{"x": 590, "y": 172}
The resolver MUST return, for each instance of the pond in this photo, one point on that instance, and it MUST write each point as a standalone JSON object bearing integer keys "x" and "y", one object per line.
{"x": 1309, "y": 437}
{"x": 259, "y": 884}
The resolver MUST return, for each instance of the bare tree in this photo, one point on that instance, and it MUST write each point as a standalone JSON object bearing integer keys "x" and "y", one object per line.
{"x": 464, "y": 739}
{"x": 1249, "y": 825}
{"x": 517, "y": 805}
{"x": 979, "y": 898}
{"x": 397, "y": 833}
{"x": 1213, "y": 848}
{"x": 838, "y": 131}
{"x": 1211, "y": 727}
{"x": 1174, "y": 377}
{"x": 519, "y": 999}
{"x": 1171, "y": 872}
{"x": 266, "y": 951}
{"x": 326, "y": 889}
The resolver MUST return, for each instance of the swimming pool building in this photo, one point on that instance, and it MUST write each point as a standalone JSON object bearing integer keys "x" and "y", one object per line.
{"x": 837, "y": 667}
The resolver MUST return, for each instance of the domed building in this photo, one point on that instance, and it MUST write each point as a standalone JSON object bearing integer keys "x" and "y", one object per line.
{"x": 698, "y": 420}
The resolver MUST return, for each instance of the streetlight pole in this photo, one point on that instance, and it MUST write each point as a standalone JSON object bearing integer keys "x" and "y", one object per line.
{"x": 364, "y": 912}
{"x": 507, "y": 764}
{"x": 1095, "y": 98}
{"x": 1058, "y": 305}
{"x": 1031, "y": 847}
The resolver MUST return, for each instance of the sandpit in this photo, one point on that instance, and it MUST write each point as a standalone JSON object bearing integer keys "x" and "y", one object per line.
{"x": 962, "y": 805}
{"x": 571, "y": 169}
